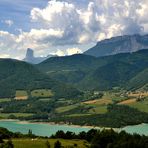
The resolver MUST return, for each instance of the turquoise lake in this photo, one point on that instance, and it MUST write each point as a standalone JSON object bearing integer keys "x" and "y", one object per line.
{"x": 44, "y": 129}
{"x": 41, "y": 129}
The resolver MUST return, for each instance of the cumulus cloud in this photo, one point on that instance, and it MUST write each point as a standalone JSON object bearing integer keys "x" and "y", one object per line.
{"x": 68, "y": 51}
{"x": 97, "y": 17}
{"x": 67, "y": 22}
{"x": 59, "y": 15}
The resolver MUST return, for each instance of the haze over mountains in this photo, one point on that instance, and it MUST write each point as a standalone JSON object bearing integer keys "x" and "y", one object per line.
{"x": 120, "y": 44}
{"x": 112, "y": 46}
{"x": 30, "y": 58}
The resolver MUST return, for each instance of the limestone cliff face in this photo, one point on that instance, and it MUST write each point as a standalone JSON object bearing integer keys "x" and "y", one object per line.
{"x": 29, "y": 54}
{"x": 120, "y": 44}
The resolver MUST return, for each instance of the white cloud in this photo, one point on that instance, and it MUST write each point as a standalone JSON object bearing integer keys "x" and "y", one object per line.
{"x": 84, "y": 23}
{"x": 59, "y": 53}
{"x": 68, "y": 22}
{"x": 9, "y": 22}
{"x": 83, "y": 38}
{"x": 4, "y": 56}
{"x": 71, "y": 51}
{"x": 68, "y": 51}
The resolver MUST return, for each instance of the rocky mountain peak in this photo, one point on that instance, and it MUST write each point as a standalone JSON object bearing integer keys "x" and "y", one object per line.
{"x": 30, "y": 58}
{"x": 29, "y": 54}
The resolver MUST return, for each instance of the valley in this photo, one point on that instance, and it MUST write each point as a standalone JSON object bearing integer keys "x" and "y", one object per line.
{"x": 78, "y": 89}
{"x": 74, "y": 74}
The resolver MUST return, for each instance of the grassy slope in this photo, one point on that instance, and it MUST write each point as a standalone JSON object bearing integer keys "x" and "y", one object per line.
{"x": 40, "y": 143}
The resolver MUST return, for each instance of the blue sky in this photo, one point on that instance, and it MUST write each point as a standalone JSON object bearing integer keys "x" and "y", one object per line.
{"x": 65, "y": 27}
{"x": 19, "y": 12}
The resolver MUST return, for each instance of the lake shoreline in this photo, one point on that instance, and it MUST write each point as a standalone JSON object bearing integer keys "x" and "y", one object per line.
{"x": 49, "y": 128}
{"x": 68, "y": 125}
{"x": 58, "y": 124}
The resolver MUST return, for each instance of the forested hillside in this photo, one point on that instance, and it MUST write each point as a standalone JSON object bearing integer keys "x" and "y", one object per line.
{"x": 17, "y": 75}
{"x": 87, "y": 72}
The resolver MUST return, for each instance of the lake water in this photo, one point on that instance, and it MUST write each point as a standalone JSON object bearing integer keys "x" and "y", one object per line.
{"x": 141, "y": 129}
{"x": 43, "y": 129}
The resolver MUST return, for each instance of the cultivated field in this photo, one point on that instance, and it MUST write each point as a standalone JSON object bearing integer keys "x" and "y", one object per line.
{"x": 128, "y": 101}
{"x": 5, "y": 100}
{"x": 98, "y": 109}
{"x": 138, "y": 94}
{"x": 43, "y": 93}
{"x": 99, "y": 101}
{"x": 66, "y": 108}
{"x": 21, "y": 95}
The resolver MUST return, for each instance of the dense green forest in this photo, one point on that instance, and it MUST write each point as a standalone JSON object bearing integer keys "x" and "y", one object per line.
{"x": 126, "y": 70}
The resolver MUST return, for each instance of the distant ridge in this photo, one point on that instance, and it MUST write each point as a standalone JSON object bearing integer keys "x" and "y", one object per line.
{"x": 30, "y": 58}
{"x": 119, "y": 44}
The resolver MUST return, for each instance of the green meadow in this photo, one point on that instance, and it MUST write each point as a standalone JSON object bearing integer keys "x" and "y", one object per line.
{"x": 41, "y": 143}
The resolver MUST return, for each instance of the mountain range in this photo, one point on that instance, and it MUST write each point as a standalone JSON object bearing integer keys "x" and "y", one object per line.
{"x": 119, "y": 44}
{"x": 111, "y": 46}
{"x": 119, "y": 62}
